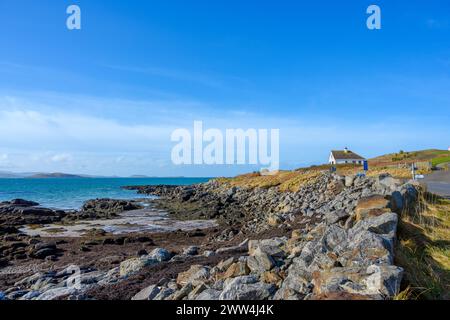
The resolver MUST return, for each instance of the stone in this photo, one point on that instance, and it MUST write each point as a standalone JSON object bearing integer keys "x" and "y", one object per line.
{"x": 133, "y": 265}
{"x": 225, "y": 264}
{"x": 388, "y": 182}
{"x": 338, "y": 280}
{"x": 183, "y": 292}
{"x": 160, "y": 254}
{"x": 396, "y": 202}
{"x": 30, "y": 295}
{"x": 297, "y": 234}
{"x": 209, "y": 294}
{"x": 196, "y": 291}
{"x": 270, "y": 277}
{"x": 385, "y": 224}
{"x": 239, "y": 248}
{"x": 164, "y": 293}
{"x": 349, "y": 181}
{"x": 272, "y": 247}
{"x": 237, "y": 269}
{"x": 384, "y": 279}
{"x": 246, "y": 288}
{"x": 195, "y": 275}
{"x": 55, "y": 293}
{"x": 16, "y": 294}
{"x": 374, "y": 205}
{"x": 208, "y": 253}
{"x": 260, "y": 261}
{"x": 294, "y": 287}
{"x": 336, "y": 216}
{"x": 191, "y": 251}
{"x": 274, "y": 220}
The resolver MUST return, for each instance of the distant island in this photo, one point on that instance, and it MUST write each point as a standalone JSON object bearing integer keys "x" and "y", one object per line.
{"x": 55, "y": 175}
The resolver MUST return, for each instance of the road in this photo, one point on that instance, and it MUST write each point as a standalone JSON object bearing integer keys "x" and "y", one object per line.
{"x": 439, "y": 183}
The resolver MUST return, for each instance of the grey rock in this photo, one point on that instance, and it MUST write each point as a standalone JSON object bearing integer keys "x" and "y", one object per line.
{"x": 246, "y": 288}
{"x": 260, "y": 261}
{"x": 55, "y": 293}
{"x": 208, "y": 253}
{"x": 191, "y": 251}
{"x": 336, "y": 216}
{"x": 160, "y": 254}
{"x": 183, "y": 292}
{"x": 164, "y": 293}
{"x": 134, "y": 265}
{"x": 30, "y": 295}
{"x": 209, "y": 294}
{"x": 384, "y": 280}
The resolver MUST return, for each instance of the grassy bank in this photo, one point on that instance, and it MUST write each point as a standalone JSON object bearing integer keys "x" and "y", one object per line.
{"x": 295, "y": 179}
{"x": 423, "y": 249}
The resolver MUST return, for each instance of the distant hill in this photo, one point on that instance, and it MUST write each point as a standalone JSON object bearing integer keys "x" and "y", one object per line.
{"x": 430, "y": 155}
{"x": 54, "y": 175}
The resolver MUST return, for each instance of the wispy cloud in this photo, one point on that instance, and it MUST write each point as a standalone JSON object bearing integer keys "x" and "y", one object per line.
{"x": 178, "y": 75}
{"x": 37, "y": 135}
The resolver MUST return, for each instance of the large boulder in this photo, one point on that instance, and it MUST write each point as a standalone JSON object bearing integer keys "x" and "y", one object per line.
{"x": 246, "y": 288}
{"x": 133, "y": 265}
{"x": 160, "y": 254}
{"x": 260, "y": 261}
{"x": 384, "y": 280}
{"x": 107, "y": 208}
{"x": 272, "y": 247}
{"x": 195, "y": 275}
{"x": 209, "y": 294}
{"x": 371, "y": 206}
{"x": 147, "y": 293}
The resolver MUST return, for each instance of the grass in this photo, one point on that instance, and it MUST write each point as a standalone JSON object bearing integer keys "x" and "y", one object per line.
{"x": 292, "y": 181}
{"x": 423, "y": 249}
{"x": 438, "y": 161}
{"x": 284, "y": 180}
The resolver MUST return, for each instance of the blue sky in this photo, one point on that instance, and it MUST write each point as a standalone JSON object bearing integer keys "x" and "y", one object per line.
{"x": 104, "y": 99}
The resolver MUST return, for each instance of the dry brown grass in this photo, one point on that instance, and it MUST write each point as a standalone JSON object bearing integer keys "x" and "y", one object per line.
{"x": 284, "y": 180}
{"x": 424, "y": 249}
{"x": 401, "y": 173}
{"x": 293, "y": 180}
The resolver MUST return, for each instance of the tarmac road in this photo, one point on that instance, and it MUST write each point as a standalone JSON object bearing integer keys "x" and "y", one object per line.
{"x": 438, "y": 183}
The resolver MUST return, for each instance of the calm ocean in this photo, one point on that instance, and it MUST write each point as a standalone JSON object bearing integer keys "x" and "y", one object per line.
{"x": 70, "y": 193}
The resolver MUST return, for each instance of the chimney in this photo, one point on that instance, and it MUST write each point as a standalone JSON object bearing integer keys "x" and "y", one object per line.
{"x": 346, "y": 150}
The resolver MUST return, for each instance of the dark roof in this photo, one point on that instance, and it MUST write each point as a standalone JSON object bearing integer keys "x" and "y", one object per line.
{"x": 341, "y": 154}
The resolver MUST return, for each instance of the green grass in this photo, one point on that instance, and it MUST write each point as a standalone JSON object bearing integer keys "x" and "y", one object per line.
{"x": 438, "y": 161}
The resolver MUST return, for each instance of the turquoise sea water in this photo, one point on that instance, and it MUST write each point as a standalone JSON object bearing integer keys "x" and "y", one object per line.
{"x": 70, "y": 193}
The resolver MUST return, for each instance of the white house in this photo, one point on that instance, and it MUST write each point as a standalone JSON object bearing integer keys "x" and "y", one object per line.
{"x": 345, "y": 156}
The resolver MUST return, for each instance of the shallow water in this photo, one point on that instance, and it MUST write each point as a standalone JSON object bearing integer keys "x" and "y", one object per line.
{"x": 142, "y": 220}
{"x": 71, "y": 193}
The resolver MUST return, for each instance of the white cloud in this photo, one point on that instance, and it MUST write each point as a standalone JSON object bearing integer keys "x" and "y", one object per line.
{"x": 63, "y": 157}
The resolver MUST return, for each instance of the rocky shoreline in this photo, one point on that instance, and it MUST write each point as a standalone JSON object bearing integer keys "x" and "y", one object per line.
{"x": 333, "y": 239}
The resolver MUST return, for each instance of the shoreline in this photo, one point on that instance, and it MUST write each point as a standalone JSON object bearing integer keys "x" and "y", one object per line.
{"x": 259, "y": 236}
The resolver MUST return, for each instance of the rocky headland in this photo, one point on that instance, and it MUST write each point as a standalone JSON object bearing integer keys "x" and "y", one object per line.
{"x": 334, "y": 238}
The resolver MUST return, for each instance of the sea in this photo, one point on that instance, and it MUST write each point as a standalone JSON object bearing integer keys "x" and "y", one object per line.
{"x": 71, "y": 193}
